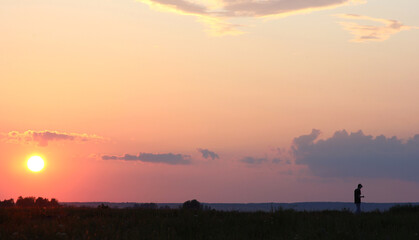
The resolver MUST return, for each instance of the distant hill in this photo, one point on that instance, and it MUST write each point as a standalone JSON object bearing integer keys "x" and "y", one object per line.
{"x": 253, "y": 207}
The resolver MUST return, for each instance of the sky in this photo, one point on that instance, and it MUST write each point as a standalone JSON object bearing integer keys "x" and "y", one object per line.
{"x": 216, "y": 100}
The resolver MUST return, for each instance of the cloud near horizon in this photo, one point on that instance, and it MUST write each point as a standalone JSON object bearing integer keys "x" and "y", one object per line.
{"x": 265, "y": 160}
{"x": 368, "y": 33}
{"x": 42, "y": 138}
{"x": 217, "y": 14}
{"x": 358, "y": 155}
{"x": 167, "y": 158}
{"x": 253, "y": 160}
{"x": 208, "y": 154}
{"x": 258, "y": 161}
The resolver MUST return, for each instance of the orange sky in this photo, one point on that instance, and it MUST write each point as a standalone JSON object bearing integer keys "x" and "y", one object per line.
{"x": 80, "y": 80}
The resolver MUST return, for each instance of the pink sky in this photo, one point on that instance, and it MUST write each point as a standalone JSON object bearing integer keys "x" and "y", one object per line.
{"x": 123, "y": 99}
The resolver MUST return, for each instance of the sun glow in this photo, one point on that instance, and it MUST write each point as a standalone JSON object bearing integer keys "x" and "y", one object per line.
{"x": 35, "y": 163}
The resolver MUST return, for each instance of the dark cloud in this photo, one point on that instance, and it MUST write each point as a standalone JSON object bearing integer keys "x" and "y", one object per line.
{"x": 208, "y": 154}
{"x": 305, "y": 140}
{"x": 42, "y": 138}
{"x": 107, "y": 157}
{"x": 253, "y": 161}
{"x": 129, "y": 157}
{"x": 358, "y": 155}
{"x": 167, "y": 158}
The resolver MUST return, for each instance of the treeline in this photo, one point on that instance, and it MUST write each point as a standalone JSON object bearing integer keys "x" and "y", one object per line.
{"x": 188, "y": 205}
{"x": 28, "y": 202}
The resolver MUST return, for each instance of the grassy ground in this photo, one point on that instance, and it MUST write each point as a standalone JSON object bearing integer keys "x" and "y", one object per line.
{"x": 88, "y": 223}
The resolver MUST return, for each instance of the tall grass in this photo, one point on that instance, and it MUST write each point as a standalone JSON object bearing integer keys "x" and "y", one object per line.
{"x": 90, "y": 223}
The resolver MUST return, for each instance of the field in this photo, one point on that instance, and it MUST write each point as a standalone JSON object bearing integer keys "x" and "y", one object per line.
{"x": 94, "y": 223}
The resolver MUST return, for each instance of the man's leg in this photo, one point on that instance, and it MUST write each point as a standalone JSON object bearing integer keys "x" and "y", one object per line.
{"x": 358, "y": 208}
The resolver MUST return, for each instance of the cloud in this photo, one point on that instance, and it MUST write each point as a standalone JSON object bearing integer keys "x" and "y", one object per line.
{"x": 217, "y": 25}
{"x": 262, "y": 8}
{"x": 217, "y": 14}
{"x": 253, "y": 161}
{"x": 208, "y": 154}
{"x": 167, "y": 158}
{"x": 111, "y": 157}
{"x": 276, "y": 160}
{"x": 367, "y": 33}
{"x": 42, "y": 138}
{"x": 358, "y": 155}
{"x": 181, "y": 6}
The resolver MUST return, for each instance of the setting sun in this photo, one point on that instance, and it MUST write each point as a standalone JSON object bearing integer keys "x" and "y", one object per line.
{"x": 35, "y": 163}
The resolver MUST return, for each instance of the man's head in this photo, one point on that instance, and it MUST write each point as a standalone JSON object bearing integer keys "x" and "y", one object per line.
{"x": 359, "y": 186}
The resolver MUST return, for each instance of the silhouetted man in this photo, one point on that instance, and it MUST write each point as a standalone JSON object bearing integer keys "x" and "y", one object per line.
{"x": 357, "y": 198}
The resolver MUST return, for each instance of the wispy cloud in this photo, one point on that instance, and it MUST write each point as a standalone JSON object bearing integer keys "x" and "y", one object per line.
{"x": 258, "y": 161}
{"x": 167, "y": 158}
{"x": 367, "y": 33}
{"x": 42, "y": 138}
{"x": 253, "y": 160}
{"x": 217, "y": 14}
{"x": 358, "y": 155}
{"x": 208, "y": 154}
{"x": 217, "y": 24}
{"x": 263, "y": 8}
{"x": 277, "y": 158}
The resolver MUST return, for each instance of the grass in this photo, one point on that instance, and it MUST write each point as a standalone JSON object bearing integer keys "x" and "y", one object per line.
{"x": 91, "y": 223}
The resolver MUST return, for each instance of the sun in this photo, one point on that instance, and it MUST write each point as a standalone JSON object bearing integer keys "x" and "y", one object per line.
{"x": 35, "y": 163}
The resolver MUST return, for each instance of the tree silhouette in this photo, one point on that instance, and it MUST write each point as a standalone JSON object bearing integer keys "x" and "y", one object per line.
{"x": 25, "y": 202}
{"x": 54, "y": 203}
{"x": 41, "y": 202}
{"x": 103, "y": 206}
{"x": 7, "y": 203}
{"x": 29, "y": 202}
{"x": 192, "y": 204}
